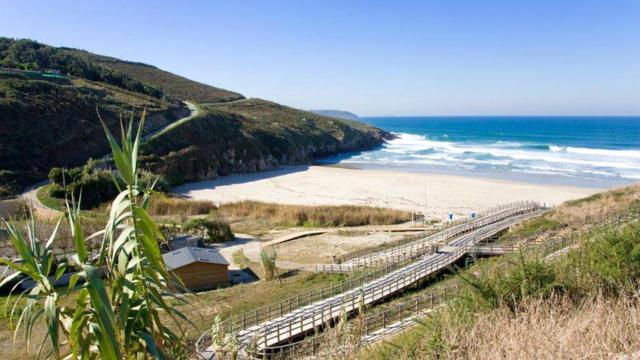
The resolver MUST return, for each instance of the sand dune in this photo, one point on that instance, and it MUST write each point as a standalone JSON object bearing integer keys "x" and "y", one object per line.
{"x": 328, "y": 185}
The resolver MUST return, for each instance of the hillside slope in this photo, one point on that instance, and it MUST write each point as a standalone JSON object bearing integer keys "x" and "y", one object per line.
{"x": 249, "y": 136}
{"x": 170, "y": 84}
{"x": 49, "y": 97}
{"x": 45, "y": 124}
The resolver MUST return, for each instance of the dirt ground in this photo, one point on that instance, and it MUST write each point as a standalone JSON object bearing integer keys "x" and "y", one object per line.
{"x": 320, "y": 248}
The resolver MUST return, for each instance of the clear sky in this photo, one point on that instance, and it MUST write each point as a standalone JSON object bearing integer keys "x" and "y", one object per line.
{"x": 371, "y": 57}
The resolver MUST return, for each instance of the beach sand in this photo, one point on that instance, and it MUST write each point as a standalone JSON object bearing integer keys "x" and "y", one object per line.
{"x": 330, "y": 185}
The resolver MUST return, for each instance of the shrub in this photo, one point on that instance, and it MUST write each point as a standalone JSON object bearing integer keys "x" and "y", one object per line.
{"x": 96, "y": 185}
{"x": 212, "y": 230}
{"x": 8, "y": 183}
{"x": 268, "y": 263}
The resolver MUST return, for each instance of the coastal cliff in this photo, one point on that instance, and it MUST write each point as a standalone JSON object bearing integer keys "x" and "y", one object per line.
{"x": 249, "y": 136}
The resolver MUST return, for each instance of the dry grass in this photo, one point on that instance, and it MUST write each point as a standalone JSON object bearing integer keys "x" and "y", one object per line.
{"x": 312, "y": 216}
{"x": 598, "y": 207}
{"x": 557, "y": 328}
{"x": 579, "y": 216}
{"x": 165, "y": 206}
{"x": 597, "y": 328}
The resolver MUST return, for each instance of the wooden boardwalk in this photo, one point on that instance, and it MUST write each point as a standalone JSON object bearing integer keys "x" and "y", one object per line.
{"x": 405, "y": 314}
{"x": 300, "y": 321}
{"x": 426, "y": 245}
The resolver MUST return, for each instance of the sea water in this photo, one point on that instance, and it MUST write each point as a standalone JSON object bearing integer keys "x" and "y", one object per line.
{"x": 580, "y": 151}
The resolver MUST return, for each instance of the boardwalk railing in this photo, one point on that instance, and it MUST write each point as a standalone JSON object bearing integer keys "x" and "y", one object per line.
{"x": 303, "y": 298}
{"x": 423, "y": 246}
{"x": 451, "y": 229}
{"x": 403, "y": 314}
{"x": 305, "y": 319}
{"x": 320, "y": 345}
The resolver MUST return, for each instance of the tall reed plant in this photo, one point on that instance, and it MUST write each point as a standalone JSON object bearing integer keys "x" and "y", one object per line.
{"x": 119, "y": 307}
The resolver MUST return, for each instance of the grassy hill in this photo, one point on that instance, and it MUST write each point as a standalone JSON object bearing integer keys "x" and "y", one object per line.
{"x": 170, "y": 84}
{"x": 45, "y": 124}
{"x": 48, "y": 118}
{"x": 249, "y": 136}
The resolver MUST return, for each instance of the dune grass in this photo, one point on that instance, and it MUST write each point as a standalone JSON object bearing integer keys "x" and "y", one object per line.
{"x": 311, "y": 216}
{"x": 167, "y": 206}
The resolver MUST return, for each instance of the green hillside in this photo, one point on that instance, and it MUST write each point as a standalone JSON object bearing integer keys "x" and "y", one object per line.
{"x": 45, "y": 124}
{"x": 49, "y": 97}
{"x": 248, "y": 136}
{"x": 170, "y": 84}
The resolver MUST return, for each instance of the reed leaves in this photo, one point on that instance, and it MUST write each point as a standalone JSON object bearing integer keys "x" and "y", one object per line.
{"x": 119, "y": 308}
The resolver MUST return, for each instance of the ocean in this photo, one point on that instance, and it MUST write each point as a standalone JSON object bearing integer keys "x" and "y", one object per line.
{"x": 594, "y": 152}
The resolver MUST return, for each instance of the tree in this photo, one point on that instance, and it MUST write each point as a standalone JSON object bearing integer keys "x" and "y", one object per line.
{"x": 120, "y": 309}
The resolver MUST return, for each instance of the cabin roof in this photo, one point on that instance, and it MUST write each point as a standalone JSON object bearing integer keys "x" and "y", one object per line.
{"x": 189, "y": 255}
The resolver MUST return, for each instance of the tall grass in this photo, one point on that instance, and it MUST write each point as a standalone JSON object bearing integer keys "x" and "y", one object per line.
{"x": 316, "y": 216}
{"x": 597, "y": 327}
{"x": 166, "y": 206}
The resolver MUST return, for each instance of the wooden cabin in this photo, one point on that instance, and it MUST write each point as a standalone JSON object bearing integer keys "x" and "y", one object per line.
{"x": 199, "y": 268}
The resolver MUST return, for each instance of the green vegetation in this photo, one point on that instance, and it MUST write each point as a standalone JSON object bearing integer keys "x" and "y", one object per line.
{"x": 92, "y": 184}
{"x": 171, "y": 85}
{"x": 42, "y": 119}
{"x": 30, "y": 55}
{"x": 121, "y": 316}
{"x": 44, "y": 196}
{"x": 42, "y": 123}
{"x": 530, "y": 229}
{"x": 249, "y": 136}
{"x": 510, "y": 305}
{"x": 211, "y": 230}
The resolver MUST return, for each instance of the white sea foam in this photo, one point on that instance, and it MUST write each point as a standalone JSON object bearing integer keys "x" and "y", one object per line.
{"x": 599, "y": 152}
{"x": 549, "y": 159}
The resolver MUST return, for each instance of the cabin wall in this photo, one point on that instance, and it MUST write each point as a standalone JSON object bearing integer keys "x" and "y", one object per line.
{"x": 203, "y": 275}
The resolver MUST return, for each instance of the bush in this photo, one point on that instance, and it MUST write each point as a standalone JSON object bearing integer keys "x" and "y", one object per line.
{"x": 268, "y": 263}
{"x": 9, "y": 183}
{"x": 96, "y": 185}
{"x": 212, "y": 230}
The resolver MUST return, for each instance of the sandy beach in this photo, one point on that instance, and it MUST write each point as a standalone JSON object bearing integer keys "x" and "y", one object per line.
{"x": 328, "y": 185}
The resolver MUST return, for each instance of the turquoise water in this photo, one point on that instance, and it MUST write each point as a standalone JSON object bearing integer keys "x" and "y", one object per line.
{"x": 582, "y": 151}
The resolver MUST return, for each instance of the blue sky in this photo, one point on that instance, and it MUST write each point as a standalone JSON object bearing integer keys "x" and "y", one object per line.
{"x": 463, "y": 57}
